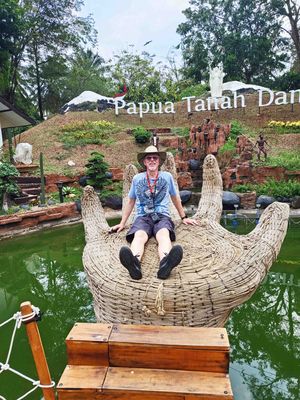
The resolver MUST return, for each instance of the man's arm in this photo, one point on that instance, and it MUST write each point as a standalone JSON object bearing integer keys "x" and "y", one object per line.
{"x": 177, "y": 203}
{"x": 125, "y": 215}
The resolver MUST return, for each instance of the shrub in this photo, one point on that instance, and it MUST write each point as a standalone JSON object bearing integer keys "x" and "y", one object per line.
{"x": 96, "y": 170}
{"x": 8, "y": 186}
{"x": 285, "y": 126}
{"x": 87, "y": 132}
{"x": 141, "y": 135}
{"x": 194, "y": 90}
{"x": 236, "y": 129}
{"x": 272, "y": 188}
{"x": 288, "y": 160}
{"x": 229, "y": 146}
{"x": 116, "y": 188}
{"x": 181, "y": 131}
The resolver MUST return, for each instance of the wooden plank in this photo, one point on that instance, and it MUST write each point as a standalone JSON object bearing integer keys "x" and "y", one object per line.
{"x": 142, "y": 356}
{"x": 87, "y": 344}
{"x": 182, "y": 348}
{"x": 170, "y": 383}
{"x": 179, "y": 336}
{"x": 81, "y": 382}
{"x": 138, "y": 396}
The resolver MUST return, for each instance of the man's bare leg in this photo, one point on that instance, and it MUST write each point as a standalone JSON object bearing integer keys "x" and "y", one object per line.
{"x": 164, "y": 242}
{"x": 138, "y": 244}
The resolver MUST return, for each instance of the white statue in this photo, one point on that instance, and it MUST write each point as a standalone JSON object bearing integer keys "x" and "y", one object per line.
{"x": 23, "y": 153}
{"x": 216, "y": 76}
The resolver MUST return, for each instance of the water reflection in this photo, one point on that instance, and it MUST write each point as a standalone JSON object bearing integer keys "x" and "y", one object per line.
{"x": 265, "y": 333}
{"x": 46, "y": 269}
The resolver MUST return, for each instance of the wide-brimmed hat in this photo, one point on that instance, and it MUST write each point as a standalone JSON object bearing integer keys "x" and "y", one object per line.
{"x": 151, "y": 150}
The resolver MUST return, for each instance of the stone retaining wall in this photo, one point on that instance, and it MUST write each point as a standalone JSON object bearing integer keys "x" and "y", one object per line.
{"x": 29, "y": 220}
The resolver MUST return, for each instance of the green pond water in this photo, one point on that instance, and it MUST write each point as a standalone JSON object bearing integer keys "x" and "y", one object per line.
{"x": 46, "y": 269}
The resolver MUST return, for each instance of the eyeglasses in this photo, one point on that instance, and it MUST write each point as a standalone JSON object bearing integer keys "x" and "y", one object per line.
{"x": 154, "y": 158}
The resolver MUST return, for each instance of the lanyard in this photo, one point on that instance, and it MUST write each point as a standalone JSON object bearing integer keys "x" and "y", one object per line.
{"x": 152, "y": 187}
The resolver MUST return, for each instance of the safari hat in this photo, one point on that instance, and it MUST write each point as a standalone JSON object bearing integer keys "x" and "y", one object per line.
{"x": 151, "y": 150}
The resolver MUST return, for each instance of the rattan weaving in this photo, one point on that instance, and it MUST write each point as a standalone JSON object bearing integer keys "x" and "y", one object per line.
{"x": 219, "y": 271}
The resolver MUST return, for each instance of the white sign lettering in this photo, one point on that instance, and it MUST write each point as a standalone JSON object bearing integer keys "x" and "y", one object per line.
{"x": 266, "y": 97}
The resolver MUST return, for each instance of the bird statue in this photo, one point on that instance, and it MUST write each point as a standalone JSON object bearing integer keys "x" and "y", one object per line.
{"x": 219, "y": 271}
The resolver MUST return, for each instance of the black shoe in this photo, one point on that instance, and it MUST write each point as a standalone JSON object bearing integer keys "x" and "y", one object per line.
{"x": 169, "y": 262}
{"x": 130, "y": 262}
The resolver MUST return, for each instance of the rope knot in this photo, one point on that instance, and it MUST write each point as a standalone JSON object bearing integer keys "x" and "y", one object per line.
{"x": 146, "y": 311}
{"x": 4, "y": 367}
{"x": 159, "y": 301}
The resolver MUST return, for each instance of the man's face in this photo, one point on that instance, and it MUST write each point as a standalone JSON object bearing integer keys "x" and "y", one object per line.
{"x": 151, "y": 162}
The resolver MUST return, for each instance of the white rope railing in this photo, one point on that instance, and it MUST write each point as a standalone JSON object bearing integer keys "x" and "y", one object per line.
{"x": 19, "y": 319}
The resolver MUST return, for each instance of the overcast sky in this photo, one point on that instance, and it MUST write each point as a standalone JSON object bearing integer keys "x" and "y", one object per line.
{"x": 121, "y": 23}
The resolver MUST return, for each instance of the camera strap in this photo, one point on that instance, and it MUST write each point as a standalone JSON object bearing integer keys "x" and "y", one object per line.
{"x": 152, "y": 187}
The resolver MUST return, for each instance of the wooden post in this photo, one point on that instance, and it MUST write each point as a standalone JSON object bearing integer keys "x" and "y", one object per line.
{"x": 38, "y": 352}
{"x": 42, "y": 195}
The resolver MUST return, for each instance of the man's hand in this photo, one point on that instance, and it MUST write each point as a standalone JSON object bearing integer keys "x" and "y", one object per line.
{"x": 189, "y": 221}
{"x": 117, "y": 228}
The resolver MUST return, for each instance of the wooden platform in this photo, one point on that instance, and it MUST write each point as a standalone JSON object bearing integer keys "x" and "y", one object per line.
{"x": 139, "y": 362}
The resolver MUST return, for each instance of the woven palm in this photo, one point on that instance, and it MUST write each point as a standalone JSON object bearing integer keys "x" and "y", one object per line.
{"x": 219, "y": 271}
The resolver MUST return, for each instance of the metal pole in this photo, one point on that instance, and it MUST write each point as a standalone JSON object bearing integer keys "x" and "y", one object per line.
{"x": 38, "y": 352}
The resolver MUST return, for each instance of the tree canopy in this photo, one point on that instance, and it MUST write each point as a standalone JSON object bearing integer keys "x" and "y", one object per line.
{"x": 243, "y": 34}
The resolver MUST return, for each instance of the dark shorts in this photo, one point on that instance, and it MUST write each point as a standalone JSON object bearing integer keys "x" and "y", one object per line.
{"x": 147, "y": 225}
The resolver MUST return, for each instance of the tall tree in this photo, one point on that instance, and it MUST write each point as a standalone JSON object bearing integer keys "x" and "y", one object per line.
{"x": 46, "y": 29}
{"x": 10, "y": 23}
{"x": 290, "y": 9}
{"x": 243, "y": 34}
{"x": 142, "y": 77}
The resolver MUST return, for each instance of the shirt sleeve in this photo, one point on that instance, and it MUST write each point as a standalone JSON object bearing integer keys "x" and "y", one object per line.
{"x": 172, "y": 187}
{"x": 131, "y": 193}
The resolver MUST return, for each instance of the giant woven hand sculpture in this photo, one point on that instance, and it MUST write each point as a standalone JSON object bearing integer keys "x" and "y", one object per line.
{"x": 219, "y": 271}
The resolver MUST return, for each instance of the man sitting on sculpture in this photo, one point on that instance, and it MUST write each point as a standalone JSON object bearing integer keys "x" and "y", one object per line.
{"x": 151, "y": 192}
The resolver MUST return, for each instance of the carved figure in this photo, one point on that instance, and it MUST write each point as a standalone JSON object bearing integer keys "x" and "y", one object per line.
{"x": 219, "y": 271}
{"x": 23, "y": 153}
{"x": 216, "y": 76}
{"x": 261, "y": 145}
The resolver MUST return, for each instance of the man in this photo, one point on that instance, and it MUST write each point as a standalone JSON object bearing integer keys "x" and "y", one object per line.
{"x": 151, "y": 191}
{"x": 261, "y": 143}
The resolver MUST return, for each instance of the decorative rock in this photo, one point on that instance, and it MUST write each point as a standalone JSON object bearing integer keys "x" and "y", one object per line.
{"x": 83, "y": 180}
{"x": 295, "y": 202}
{"x": 113, "y": 201}
{"x": 264, "y": 201}
{"x": 108, "y": 175}
{"x": 170, "y": 142}
{"x": 194, "y": 164}
{"x": 248, "y": 200}
{"x": 229, "y": 200}
{"x": 23, "y": 153}
{"x": 262, "y": 174}
{"x": 71, "y": 163}
{"x": 184, "y": 180}
{"x": 78, "y": 205}
{"x": 25, "y": 206}
{"x": 185, "y": 196}
{"x": 283, "y": 199}
{"x": 51, "y": 202}
{"x": 117, "y": 174}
